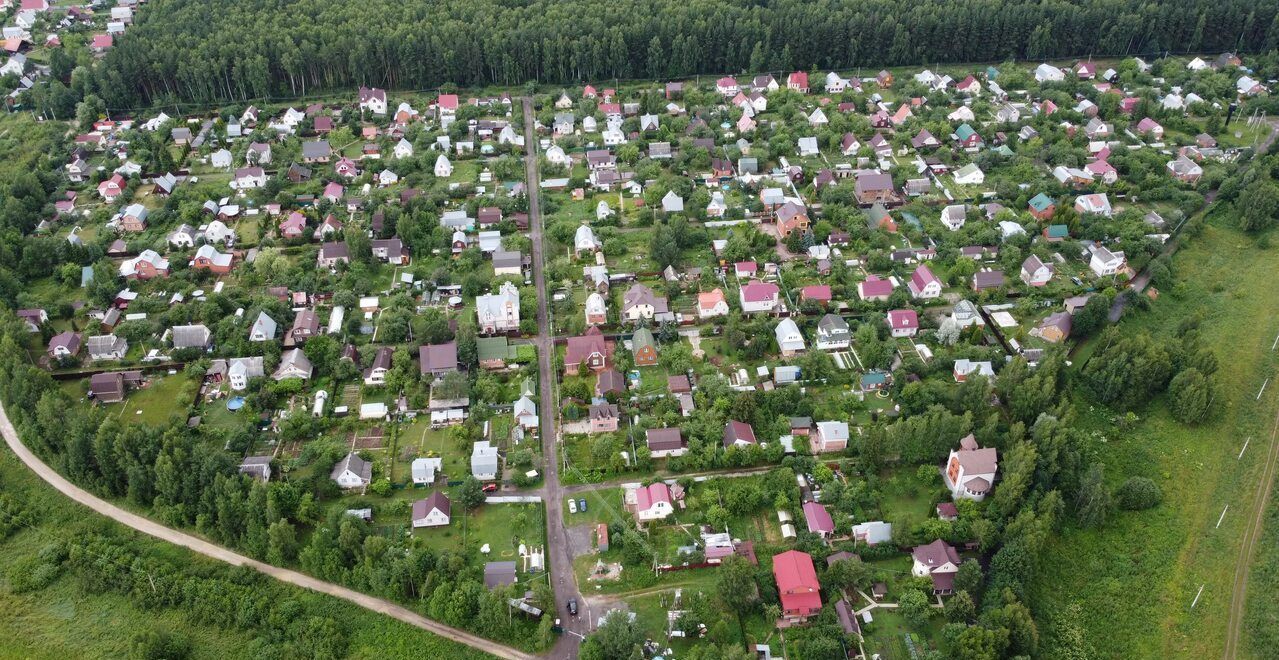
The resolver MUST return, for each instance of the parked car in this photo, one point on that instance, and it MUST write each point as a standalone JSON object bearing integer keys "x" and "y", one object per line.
{"x": 572, "y": 604}
{"x": 581, "y": 505}
{"x": 572, "y": 506}
{"x": 490, "y": 488}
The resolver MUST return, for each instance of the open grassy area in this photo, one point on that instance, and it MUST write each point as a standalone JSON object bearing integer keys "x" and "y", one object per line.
{"x": 1136, "y": 577}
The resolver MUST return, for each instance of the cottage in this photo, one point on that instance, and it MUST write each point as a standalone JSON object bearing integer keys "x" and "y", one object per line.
{"x": 499, "y": 312}
{"x": 829, "y": 436}
{"x": 107, "y": 347}
{"x": 639, "y": 302}
{"x": 903, "y": 322}
{"x": 939, "y": 561}
{"x": 738, "y": 434}
{"x": 293, "y": 364}
{"x": 666, "y": 442}
{"x": 643, "y": 348}
{"x": 352, "y": 472}
{"x": 757, "y": 296}
{"x": 964, "y": 368}
{"x": 653, "y": 502}
{"x": 434, "y": 511}
{"x": 924, "y": 284}
{"x": 970, "y": 470}
{"x": 797, "y": 586}
{"x": 1035, "y": 272}
{"x": 711, "y": 304}
{"x": 589, "y": 351}
{"x": 484, "y": 461}
{"x": 833, "y": 333}
{"x": 1104, "y": 262}
{"x": 789, "y": 339}
{"x": 190, "y": 336}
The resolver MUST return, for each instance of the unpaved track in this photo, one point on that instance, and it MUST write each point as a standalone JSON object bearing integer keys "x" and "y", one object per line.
{"x": 1248, "y": 549}
{"x": 220, "y": 553}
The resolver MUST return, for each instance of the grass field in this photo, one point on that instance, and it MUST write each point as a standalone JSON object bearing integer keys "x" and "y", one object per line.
{"x": 1136, "y": 577}
{"x": 62, "y": 621}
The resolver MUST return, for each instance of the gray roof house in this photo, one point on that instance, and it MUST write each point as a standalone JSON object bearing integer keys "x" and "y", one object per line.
{"x": 484, "y": 461}
{"x": 190, "y": 336}
{"x": 263, "y": 328}
{"x": 107, "y": 347}
{"x": 293, "y": 364}
{"x": 352, "y": 472}
{"x": 258, "y": 467}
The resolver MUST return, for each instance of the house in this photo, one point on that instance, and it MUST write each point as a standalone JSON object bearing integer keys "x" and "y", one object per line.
{"x": 639, "y": 302}
{"x": 984, "y": 280}
{"x": 589, "y": 350}
{"x": 833, "y": 333}
{"x": 756, "y": 296}
{"x": 596, "y": 309}
{"x": 525, "y": 413}
{"x": 875, "y": 288}
{"x": 107, "y": 347}
{"x": 425, "y": 470}
{"x": 1097, "y": 204}
{"x": 871, "y": 187}
{"x": 240, "y": 370}
{"x": 873, "y": 532}
{"x": 969, "y": 175}
{"x": 389, "y": 250}
{"x": 1100, "y": 169}
{"x": 494, "y": 352}
{"x": 306, "y": 324}
{"x": 208, "y": 258}
{"x": 967, "y": 137}
{"x": 1035, "y": 272}
{"x": 434, "y": 511}
{"x": 443, "y": 168}
{"x": 437, "y": 359}
{"x": 711, "y": 304}
{"x": 263, "y": 328}
{"x": 666, "y": 442}
{"x": 903, "y": 322}
{"x": 499, "y": 574}
{"x": 333, "y": 253}
{"x": 653, "y": 502}
{"x": 373, "y": 100}
{"x": 293, "y": 364}
{"x": 247, "y": 178}
{"x": 484, "y": 461}
{"x": 111, "y": 387}
{"x": 352, "y": 472}
{"x": 643, "y": 348}
{"x": 376, "y": 373}
{"x": 923, "y": 284}
{"x": 791, "y": 217}
{"x": 829, "y": 436}
{"x": 604, "y": 417}
{"x": 1042, "y": 207}
{"x": 798, "y": 82}
{"x": 937, "y": 560}
{"x": 111, "y": 189}
{"x": 789, "y": 339}
{"x": 609, "y": 381}
{"x": 1045, "y": 73}
{"x": 738, "y": 434}
{"x": 1148, "y": 126}
{"x": 1185, "y": 170}
{"x": 964, "y": 368}
{"x": 146, "y": 265}
{"x": 1104, "y": 262}
{"x": 1055, "y": 328}
{"x": 797, "y": 586}
{"x": 190, "y": 336}
{"x": 954, "y": 216}
{"x": 316, "y": 151}
{"x": 258, "y": 467}
{"x": 970, "y": 470}
{"x": 133, "y": 218}
{"x": 499, "y": 312}
{"x": 818, "y": 519}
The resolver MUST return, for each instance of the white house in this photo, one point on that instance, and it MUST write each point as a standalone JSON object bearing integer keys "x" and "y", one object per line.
{"x": 954, "y": 216}
{"x": 263, "y": 328}
{"x": 584, "y": 240}
{"x": 1104, "y": 262}
{"x": 653, "y": 502}
{"x": 789, "y": 339}
{"x": 924, "y": 284}
{"x": 434, "y": 511}
{"x": 970, "y": 174}
{"x": 484, "y": 461}
{"x": 499, "y": 312}
{"x": 1035, "y": 272}
{"x": 240, "y": 370}
{"x": 970, "y": 470}
{"x": 425, "y": 470}
{"x": 352, "y": 472}
{"x": 1048, "y": 73}
{"x": 525, "y": 413}
{"x": 443, "y": 168}
{"x": 403, "y": 149}
{"x": 758, "y": 297}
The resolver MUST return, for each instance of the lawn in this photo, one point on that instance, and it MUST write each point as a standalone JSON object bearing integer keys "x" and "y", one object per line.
{"x": 601, "y": 506}
{"x": 502, "y": 526}
{"x": 1136, "y": 577}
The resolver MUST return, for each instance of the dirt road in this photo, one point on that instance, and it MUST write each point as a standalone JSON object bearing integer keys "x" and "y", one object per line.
{"x": 220, "y": 553}
{"x": 1248, "y": 549}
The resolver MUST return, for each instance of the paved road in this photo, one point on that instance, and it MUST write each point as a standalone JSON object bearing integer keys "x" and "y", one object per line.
{"x": 220, "y": 553}
{"x": 564, "y": 581}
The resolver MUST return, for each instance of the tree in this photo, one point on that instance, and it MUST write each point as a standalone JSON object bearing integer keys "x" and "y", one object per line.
{"x": 1092, "y": 502}
{"x": 1091, "y": 317}
{"x": 1138, "y": 493}
{"x": 1190, "y": 395}
{"x": 735, "y": 584}
{"x": 960, "y": 608}
{"x": 914, "y": 606}
{"x": 1258, "y": 205}
{"x": 618, "y": 638}
{"x": 282, "y": 543}
{"x": 472, "y": 493}
{"x": 968, "y": 579}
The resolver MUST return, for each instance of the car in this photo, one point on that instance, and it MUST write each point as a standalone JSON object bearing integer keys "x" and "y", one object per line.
{"x": 581, "y": 505}
{"x": 490, "y": 488}
{"x": 572, "y": 505}
{"x": 572, "y": 606}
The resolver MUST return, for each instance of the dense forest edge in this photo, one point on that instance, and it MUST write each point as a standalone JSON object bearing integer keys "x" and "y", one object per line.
{"x": 233, "y": 50}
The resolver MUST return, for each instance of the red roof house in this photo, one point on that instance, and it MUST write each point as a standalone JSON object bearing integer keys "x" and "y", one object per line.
{"x": 797, "y": 585}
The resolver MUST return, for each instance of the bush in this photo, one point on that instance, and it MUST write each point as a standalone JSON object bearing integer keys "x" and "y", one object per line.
{"x": 1138, "y": 494}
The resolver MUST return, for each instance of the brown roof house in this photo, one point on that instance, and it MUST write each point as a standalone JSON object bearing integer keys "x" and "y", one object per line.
{"x": 64, "y": 345}
{"x": 434, "y": 511}
{"x": 738, "y": 434}
{"x": 604, "y": 417}
{"x": 590, "y": 350}
{"x": 937, "y": 560}
{"x": 663, "y": 443}
{"x": 970, "y": 470}
{"x": 437, "y": 359}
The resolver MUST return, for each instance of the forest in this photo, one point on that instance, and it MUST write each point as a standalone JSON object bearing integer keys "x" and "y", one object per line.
{"x": 234, "y": 50}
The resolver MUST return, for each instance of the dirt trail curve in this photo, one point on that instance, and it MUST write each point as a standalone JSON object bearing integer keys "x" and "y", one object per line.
{"x": 1248, "y": 549}
{"x": 220, "y": 553}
